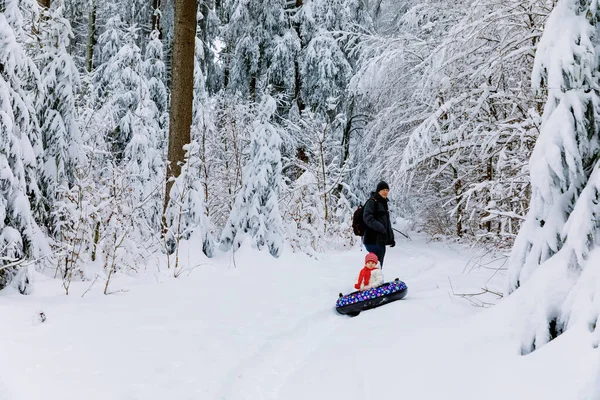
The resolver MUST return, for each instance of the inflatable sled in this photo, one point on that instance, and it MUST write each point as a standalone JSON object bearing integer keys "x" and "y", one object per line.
{"x": 352, "y": 304}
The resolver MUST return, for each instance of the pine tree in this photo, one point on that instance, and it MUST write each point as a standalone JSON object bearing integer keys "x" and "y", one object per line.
{"x": 225, "y": 150}
{"x": 553, "y": 258}
{"x": 109, "y": 44}
{"x": 325, "y": 72}
{"x": 262, "y": 47}
{"x": 121, "y": 85}
{"x": 208, "y": 31}
{"x": 568, "y": 147}
{"x": 143, "y": 164}
{"x": 77, "y": 13}
{"x": 20, "y": 236}
{"x": 154, "y": 71}
{"x": 186, "y": 212}
{"x": 256, "y": 210}
{"x": 326, "y": 64}
{"x": 56, "y": 108}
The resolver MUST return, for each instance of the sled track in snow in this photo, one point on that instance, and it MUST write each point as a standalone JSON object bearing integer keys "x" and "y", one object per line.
{"x": 262, "y": 375}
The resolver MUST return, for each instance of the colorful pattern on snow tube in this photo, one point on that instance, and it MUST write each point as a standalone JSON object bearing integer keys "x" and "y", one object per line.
{"x": 379, "y": 291}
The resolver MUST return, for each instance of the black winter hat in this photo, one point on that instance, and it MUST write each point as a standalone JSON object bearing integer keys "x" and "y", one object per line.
{"x": 382, "y": 185}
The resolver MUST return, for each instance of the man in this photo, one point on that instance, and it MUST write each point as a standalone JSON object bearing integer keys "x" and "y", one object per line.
{"x": 378, "y": 229}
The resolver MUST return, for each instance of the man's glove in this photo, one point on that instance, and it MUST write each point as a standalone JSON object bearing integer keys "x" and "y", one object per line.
{"x": 392, "y": 244}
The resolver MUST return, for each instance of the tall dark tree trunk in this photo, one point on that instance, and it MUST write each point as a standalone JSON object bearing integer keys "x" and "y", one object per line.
{"x": 91, "y": 37}
{"x": 298, "y": 88}
{"x": 489, "y": 176}
{"x": 156, "y": 17}
{"x": 202, "y": 33}
{"x": 298, "y": 80}
{"x": 458, "y": 189}
{"x": 346, "y": 135}
{"x": 253, "y": 81}
{"x": 226, "y": 58}
{"x": 182, "y": 88}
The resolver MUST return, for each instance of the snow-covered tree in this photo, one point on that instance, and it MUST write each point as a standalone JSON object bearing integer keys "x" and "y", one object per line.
{"x": 231, "y": 126}
{"x": 143, "y": 164}
{"x": 262, "y": 47}
{"x": 464, "y": 123}
{"x": 208, "y": 33}
{"x": 320, "y": 192}
{"x": 567, "y": 149}
{"x": 109, "y": 44}
{"x": 122, "y": 82}
{"x": 553, "y": 257}
{"x": 62, "y": 140}
{"x": 186, "y": 212}
{"x": 255, "y": 214}
{"x": 329, "y": 32}
{"x": 77, "y": 13}
{"x": 325, "y": 72}
{"x": 20, "y": 236}
{"x": 154, "y": 71}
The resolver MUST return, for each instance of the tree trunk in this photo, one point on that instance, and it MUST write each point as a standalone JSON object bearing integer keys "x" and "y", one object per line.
{"x": 322, "y": 155}
{"x": 202, "y": 33}
{"x": 346, "y": 135}
{"x": 457, "y": 196}
{"x": 44, "y": 3}
{"x": 182, "y": 88}
{"x": 298, "y": 78}
{"x": 489, "y": 175}
{"x": 376, "y": 11}
{"x": 297, "y": 88}
{"x": 91, "y": 37}
{"x": 2, "y": 6}
{"x": 253, "y": 81}
{"x": 226, "y": 58}
{"x": 156, "y": 18}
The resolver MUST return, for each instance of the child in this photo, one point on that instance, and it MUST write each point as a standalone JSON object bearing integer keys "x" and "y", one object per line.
{"x": 370, "y": 276}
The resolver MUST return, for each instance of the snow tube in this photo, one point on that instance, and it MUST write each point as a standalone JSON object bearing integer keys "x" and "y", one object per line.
{"x": 352, "y": 304}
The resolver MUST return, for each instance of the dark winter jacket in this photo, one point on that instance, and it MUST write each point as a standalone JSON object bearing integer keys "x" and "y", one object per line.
{"x": 378, "y": 229}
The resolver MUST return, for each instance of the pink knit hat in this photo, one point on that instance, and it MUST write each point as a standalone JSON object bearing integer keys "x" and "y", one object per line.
{"x": 371, "y": 257}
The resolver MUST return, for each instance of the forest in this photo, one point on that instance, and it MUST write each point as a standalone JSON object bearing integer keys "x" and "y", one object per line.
{"x": 274, "y": 122}
{"x": 129, "y": 127}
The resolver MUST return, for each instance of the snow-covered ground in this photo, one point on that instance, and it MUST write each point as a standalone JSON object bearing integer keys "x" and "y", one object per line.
{"x": 266, "y": 329}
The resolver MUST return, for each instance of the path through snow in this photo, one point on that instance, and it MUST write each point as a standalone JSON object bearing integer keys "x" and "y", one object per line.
{"x": 266, "y": 329}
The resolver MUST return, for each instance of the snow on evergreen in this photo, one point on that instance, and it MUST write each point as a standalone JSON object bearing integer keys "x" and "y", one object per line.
{"x": 553, "y": 247}
{"x": 226, "y": 134}
{"x": 135, "y": 135}
{"x": 154, "y": 71}
{"x": 263, "y": 44}
{"x": 325, "y": 71}
{"x": 186, "y": 212}
{"x": 255, "y": 214}
{"x": 108, "y": 46}
{"x": 62, "y": 141}
{"x": 318, "y": 201}
{"x": 20, "y": 236}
